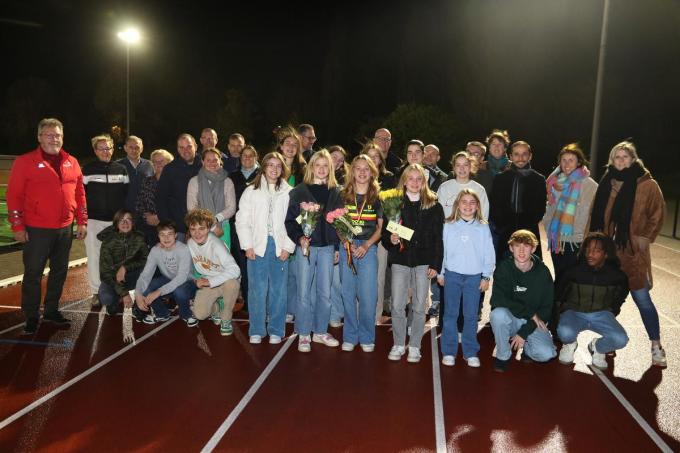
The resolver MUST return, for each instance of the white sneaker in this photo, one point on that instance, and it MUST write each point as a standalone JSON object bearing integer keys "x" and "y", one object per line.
{"x": 304, "y": 343}
{"x": 599, "y": 359}
{"x": 413, "y": 355}
{"x": 368, "y": 347}
{"x": 215, "y": 318}
{"x": 448, "y": 360}
{"x": 347, "y": 347}
{"x": 255, "y": 339}
{"x": 274, "y": 339}
{"x": 289, "y": 318}
{"x": 659, "y": 357}
{"x": 473, "y": 362}
{"x": 396, "y": 352}
{"x": 567, "y": 353}
{"x": 325, "y": 338}
{"x": 335, "y": 323}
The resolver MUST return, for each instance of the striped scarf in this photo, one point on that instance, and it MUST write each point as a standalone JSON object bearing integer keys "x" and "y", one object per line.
{"x": 561, "y": 230}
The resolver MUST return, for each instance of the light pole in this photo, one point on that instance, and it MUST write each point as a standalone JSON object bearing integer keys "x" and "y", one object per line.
{"x": 129, "y": 36}
{"x": 595, "y": 137}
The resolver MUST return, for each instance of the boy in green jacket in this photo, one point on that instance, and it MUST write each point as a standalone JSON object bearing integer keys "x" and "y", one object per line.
{"x": 521, "y": 303}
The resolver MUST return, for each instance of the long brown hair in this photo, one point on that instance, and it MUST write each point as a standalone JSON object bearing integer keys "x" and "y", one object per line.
{"x": 349, "y": 193}
{"x": 263, "y": 167}
{"x": 427, "y": 197}
{"x": 298, "y": 166}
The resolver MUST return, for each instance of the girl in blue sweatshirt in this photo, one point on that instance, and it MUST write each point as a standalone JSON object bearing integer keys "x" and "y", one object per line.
{"x": 468, "y": 264}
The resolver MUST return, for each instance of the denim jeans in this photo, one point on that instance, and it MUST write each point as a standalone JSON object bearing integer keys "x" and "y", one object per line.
{"x": 538, "y": 345}
{"x": 404, "y": 277}
{"x": 292, "y": 294}
{"x": 650, "y": 318}
{"x": 181, "y": 295}
{"x": 337, "y": 309}
{"x": 454, "y": 285}
{"x": 314, "y": 278}
{"x": 269, "y": 282}
{"x": 108, "y": 296}
{"x": 359, "y": 320}
{"x": 603, "y": 322}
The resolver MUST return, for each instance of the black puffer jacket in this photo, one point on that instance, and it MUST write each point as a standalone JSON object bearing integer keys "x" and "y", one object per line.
{"x": 587, "y": 289}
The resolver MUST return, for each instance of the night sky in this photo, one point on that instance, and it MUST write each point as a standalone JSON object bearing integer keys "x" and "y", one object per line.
{"x": 526, "y": 66}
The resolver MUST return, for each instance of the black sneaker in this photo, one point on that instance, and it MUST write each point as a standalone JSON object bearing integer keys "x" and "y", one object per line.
{"x": 96, "y": 304}
{"x": 137, "y": 314}
{"x": 56, "y": 318}
{"x": 500, "y": 366}
{"x": 31, "y": 326}
{"x": 525, "y": 358}
{"x": 112, "y": 309}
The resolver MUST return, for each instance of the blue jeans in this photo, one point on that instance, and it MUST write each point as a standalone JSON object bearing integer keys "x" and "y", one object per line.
{"x": 603, "y": 322}
{"x": 182, "y": 295}
{"x": 454, "y": 285}
{"x": 359, "y": 321}
{"x": 538, "y": 345}
{"x": 650, "y": 318}
{"x": 314, "y": 278}
{"x": 292, "y": 295}
{"x": 108, "y": 296}
{"x": 337, "y": 310}
{"x": 270, "y": 275}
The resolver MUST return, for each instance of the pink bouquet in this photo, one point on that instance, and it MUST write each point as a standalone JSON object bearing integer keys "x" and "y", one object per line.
{"x": 309, "y": 216}
{"x": 342, "y": 223}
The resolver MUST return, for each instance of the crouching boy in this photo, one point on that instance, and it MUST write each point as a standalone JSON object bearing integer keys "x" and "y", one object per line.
{"x": 521, "y": 303}
{"x": 216, "y": 270}
{"x": 172, "y": 259}
{"x": 590, "y": 296}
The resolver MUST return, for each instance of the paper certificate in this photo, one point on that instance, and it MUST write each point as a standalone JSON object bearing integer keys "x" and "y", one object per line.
{"x": 400, "y": 230}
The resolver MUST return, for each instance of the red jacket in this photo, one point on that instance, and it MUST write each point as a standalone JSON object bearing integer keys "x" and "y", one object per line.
{"x": 37, "y": 197}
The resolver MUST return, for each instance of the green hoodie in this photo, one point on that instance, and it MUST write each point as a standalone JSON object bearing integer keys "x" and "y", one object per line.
{"x": 523, "y": 293}
{"x": 118, "y": 249}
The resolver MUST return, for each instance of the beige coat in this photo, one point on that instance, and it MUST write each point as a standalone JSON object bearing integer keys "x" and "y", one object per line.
{"x": 583, "y": 205}
{"x": 645, "y": 224}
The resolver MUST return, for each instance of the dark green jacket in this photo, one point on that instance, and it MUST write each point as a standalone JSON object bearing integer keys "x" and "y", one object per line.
{"x": 587, "y": 290}
{"x": 118, "y": 249}
{"x": 523, "y": 293}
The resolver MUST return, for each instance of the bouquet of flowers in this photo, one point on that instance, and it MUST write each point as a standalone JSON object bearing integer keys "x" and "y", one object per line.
{"x": 309, "y": 216}
{"x": 392, "y": 201}
{"x": 342, "y": 223}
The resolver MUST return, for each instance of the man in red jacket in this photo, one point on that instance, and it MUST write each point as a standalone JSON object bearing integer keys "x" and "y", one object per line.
{"x": 44, "y": 193}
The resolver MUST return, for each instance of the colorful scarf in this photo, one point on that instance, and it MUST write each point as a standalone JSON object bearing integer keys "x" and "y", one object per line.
{"x": 568, "y": 188}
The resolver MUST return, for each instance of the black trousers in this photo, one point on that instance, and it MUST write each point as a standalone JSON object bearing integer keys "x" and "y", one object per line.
{"x": 43, "y": 244}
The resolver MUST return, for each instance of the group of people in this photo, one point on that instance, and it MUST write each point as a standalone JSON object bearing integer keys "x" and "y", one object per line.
{"x": 305, "y": 235}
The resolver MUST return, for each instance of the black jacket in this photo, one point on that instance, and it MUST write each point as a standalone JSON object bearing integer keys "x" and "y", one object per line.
{"x": 426, "y": 246}
{"x": 586, "y": 289}
{"x": 324, "y": 233}
{"x": 171, "y": 195}
{"x": 106, "y": 187}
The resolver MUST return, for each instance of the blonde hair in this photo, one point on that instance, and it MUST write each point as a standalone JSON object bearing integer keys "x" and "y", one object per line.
{"x": 427, "y": 197}
{"x": 200, "y": 216}
{"x": 163, "y": 153}
{"x": 348, "y": 193}
{"x": 309, "y": 169}
{"x": 101, "y": 138}
{"x": 455, "y": 213}
{"x": 523, "y": 237}
{"x": 628, "y": 147}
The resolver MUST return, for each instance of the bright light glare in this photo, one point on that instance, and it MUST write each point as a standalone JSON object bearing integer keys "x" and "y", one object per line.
{"x": 130, "y": 36}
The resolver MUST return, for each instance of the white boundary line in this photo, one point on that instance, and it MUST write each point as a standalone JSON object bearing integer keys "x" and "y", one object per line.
{"x": 666, "y": 270}
{"x": 663, "y": 446}
{"x": 81, "y": 376}
{"x": 666, "y": 247}
{"x": 19, "y": 278}
{"x": 16, "y": 326}
{"x": 439, "y": 427}
{"x": 226, "y": 424}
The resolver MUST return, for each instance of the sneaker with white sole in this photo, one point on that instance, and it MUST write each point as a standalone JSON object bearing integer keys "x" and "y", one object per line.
{"x": 255, "y": 339}
{"x": 226, "y": 328}
{"x": 599, "y": 359}
{"x": 567, "y": 353}
{"x": 659, "y": 357}
{"x": 413, "y": 355}
{"x": 149, "y": 319}
{"x": 473, "y": 362}
{"x": 215, "y": 318}
{"x": 369, "y": 347}
{"x": 274, "y": 339}
{"x": 396, "y": 352}
{"x": 191, "y": 321}
{"x": 448, "y": 360}
{"x": 347, "y": 347}
{"x": 304, "y": 343}
{"x": 325, "y": 338}
{"x": 335, "y": 324}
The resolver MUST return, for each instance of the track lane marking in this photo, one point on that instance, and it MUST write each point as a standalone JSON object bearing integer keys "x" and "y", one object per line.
{"x": 663, "y": 446}
{"x": 81, "y": 376}
{"x": 234, "y": 414}
{"x": 439, "y": 426}
{"x": 16, "y": 326}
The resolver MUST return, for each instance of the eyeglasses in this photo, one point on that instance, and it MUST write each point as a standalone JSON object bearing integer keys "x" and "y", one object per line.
{"x": 311, "y": 138}
{"x": 125, "y": 220}
{"x": 383, "y": 139}
{"x": 52, "y": 136}
{"x": 105, "y": 149}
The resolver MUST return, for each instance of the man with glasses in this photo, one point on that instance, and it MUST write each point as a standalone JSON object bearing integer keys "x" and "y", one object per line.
{"x": 436, "y": 175}
{"x": 137, "y": 168}
{"x": 106, "y": 187}
{"x": 383, "y": 138}
{"x": 44, "y": 194}
{"x": 307, "y": 138}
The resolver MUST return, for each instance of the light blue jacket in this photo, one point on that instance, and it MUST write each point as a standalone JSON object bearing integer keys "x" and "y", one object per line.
{"x": 468, "y": 248}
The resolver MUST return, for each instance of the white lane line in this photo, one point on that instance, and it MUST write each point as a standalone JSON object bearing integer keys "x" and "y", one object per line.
{"x": 666, "y": 247}
{"x": 661, "y": 268}
{"x": 19, "y": 278}
{"x": 439, "y": 428}
{"x": 663, "y": 446}
{"x": 81, "y": 376}
{"x": 226, "y": 424}
{"x": 16, "y": 326}
{"x": 668, "y": 318}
